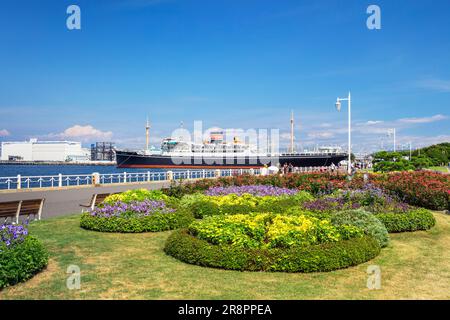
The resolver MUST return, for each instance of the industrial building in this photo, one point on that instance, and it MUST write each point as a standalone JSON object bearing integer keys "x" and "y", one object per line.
{"x": 34, "y": 150}
{"x": 103, "y": 151}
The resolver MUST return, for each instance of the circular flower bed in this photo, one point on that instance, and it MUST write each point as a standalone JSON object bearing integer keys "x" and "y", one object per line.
{"x": 135, "y": 217}
{"x": 271, "y": 242}
{"x": 21, "y": 255}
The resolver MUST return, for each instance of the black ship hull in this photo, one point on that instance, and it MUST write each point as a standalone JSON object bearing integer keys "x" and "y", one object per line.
{"x": 135, "y": 160}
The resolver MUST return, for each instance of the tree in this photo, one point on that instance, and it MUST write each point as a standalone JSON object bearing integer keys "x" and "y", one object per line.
{"x": 434, "y": 155}
{"x": 399, "y": 165}
{"x": 421, "y": 162}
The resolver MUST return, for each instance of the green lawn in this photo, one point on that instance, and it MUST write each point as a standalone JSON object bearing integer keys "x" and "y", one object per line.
{"x": 441, "y": 169}
{"x": 134, "y": 266}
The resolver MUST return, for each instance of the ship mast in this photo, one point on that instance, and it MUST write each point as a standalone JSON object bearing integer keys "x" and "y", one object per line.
{"x": 147, "y": 134}
{"x": 292, "y": 132}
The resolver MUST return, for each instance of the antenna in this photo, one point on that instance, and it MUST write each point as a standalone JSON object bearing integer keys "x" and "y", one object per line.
{"x": 292, "y": 132}
{"x": 147, "y": 134}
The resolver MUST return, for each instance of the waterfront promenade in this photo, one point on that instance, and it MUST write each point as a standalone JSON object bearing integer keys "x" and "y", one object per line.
{"x": 66, "y": 200}
{"x": 63, "y": 194}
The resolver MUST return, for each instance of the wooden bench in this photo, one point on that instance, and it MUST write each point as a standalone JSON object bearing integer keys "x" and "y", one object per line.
{"x": 15, "y": 209}
{"x": 96, "y": 200}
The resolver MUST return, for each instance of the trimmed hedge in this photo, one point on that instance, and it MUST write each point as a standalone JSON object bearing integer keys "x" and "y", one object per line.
{"x": 152, "y": 223}
{"x": 21, "y": 262}
{"x": 315, "y": 258}
{"x": 419, "y": 219}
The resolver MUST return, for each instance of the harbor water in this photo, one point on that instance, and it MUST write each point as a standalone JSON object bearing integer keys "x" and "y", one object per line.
{"x": 48, "y": 170}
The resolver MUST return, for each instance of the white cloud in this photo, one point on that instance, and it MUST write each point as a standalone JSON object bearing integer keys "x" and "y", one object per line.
{"x": 138, "y": 142}
{"x": 320, "y": 135}
{"x": 423, "y": 141}
{"x": 286, "y": 136}
{"x": 372, "y": 122}
{"x": 4, "y": 133}
{"x": 84, "y": 133}
{"x": 435, "y": 84}
{"x": 437, "y": 117}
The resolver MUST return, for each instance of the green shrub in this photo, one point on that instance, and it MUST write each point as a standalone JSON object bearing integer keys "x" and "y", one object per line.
{"x": 365, "y": 221}
{"x": 22, "y": 261}
{"x": 315, "y": 258}
{"x": 203, "y": 205}
{"x": 237, "y": 230}
{"x": 258, "y": 230}
{"x": 199, "y": 205}
{"x": 136, "y": 195}
{"x": 418, "y": 219}
{"x": 304, "y": 212}
{"x": 289, "y": 231}
{"x": 135, "y": 224}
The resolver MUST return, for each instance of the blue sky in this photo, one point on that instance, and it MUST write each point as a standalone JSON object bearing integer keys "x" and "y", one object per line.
{"x": 231, "y": 63}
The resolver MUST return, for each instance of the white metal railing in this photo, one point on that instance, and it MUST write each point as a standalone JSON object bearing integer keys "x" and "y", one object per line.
{"x": 60, "y": 180}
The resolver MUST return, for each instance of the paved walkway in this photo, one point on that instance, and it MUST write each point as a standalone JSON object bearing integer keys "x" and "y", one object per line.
{"x": 67, "y": 200}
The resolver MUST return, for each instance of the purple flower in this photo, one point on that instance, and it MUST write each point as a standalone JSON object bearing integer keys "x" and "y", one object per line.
{"x": 132, "y": 209}
{"x": 330, "y": 204}
{"x": 11, "y": 235}
{"x": 255, "y": 190}
{"x": 370, "y": 197}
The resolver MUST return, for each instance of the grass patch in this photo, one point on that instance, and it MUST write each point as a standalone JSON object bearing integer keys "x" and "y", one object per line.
{"x": 441, "y": 169}
{"x": 134, "y": 266}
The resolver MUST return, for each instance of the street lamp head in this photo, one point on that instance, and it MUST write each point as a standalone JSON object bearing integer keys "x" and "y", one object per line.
{"x": 338, "y": 105}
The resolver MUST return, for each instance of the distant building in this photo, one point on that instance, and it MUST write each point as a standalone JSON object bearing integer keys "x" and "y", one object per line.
{"x": 102, "y": 151}
{"x": 34, "y": 150}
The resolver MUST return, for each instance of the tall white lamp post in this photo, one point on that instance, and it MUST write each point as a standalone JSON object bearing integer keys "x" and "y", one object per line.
{"x": 338, "y": 107}
{"x": 393, "y": 133}
{"x": 410, "y": 151}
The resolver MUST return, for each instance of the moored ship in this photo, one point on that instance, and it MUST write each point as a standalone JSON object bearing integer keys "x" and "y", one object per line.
{"x": 216, "y": 153}
{"x": 127, "y": 159}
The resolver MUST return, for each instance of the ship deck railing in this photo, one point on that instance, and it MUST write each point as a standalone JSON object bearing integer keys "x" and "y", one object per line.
{"x": 314, "y": 153}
